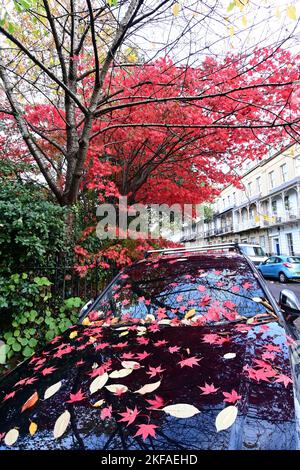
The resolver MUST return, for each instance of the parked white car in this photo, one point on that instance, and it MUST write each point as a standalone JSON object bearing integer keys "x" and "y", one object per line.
{"x": 255, "y": 252}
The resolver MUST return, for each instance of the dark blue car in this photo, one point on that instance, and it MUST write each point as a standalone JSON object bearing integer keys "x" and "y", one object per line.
{"x": 281, "y": 267}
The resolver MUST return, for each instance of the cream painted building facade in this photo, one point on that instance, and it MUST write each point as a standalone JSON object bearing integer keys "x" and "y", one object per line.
{"x": 265, "y": 211}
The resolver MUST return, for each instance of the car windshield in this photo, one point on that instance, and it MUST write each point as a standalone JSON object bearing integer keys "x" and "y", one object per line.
{"x": 210, "y": 289}
{"x": 253, "y": 250}
{"x": 294, "y": 259}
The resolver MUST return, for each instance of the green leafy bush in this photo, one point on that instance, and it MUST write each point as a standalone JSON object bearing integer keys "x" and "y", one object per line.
{"x": 30, "y": 316}
{"x": 32, "y": 228}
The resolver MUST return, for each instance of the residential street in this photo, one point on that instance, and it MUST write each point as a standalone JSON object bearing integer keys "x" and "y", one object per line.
{"x": 275, "y": 287}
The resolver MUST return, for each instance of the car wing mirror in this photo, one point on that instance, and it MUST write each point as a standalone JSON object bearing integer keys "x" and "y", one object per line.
{"x": 288, "y": 301}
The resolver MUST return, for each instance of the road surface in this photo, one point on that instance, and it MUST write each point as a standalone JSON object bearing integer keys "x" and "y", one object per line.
{"x": 275, "y": 287}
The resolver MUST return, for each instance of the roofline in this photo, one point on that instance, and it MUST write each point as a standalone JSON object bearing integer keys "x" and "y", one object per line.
{"x": 261, "y": 164}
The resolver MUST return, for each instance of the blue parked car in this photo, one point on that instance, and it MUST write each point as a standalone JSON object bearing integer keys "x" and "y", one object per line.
{"x": 281, "y": 267}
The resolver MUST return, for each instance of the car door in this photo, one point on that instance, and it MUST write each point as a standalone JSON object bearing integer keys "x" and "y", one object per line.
{"x": 267, "y": 268}
{"x": 276, "y": 267}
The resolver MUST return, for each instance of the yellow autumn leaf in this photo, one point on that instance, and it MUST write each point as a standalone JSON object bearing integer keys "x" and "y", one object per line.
{"x": 92, "y": 339}
{"x": 291, "y": 12}
{"x": 124, "y": 333}
{"x": 241, "y": 4}
{"x": 231, "y": 31}
{"x": 190, "y": 313}
{"x": 33, "y": 428}
{"x": 86, "y": 321}
{"x": 226, "y": 418}
{"x": 98, "y": 403}
{"x": 73, "y": 334}
{"x": 176, "y": 9}
{"x": 277, "y": 12}
{"x": 244, "y": 21}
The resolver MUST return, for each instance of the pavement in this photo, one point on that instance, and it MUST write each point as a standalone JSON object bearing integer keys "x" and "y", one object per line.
{"x": 275, "y": 287}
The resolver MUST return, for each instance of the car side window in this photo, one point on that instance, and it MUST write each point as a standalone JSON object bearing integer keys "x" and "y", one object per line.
{"x": 271, "y": 260}
{"x": 278, "y": 260}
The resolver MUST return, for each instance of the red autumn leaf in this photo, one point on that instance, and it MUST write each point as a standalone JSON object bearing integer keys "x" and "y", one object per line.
{"x": 208, "y": 389}
{"x": 158, "y": 402}
{"x": 129, "y": 415}
{"x": 31, "y": 380}
{"x": 231, "y": 316}
{"x": 142, "y": 355}
{"x": 146, "y": 430}
{"x": 153, "y": 371}
{"x": 272, "y": 347}
{"x": 9, "y": 395}
{"x": 289, "y": 340}
{"x": 159, "y": 343}
{"x": 235, "y": 289}
{"x": 179, "y": 298}
{"x": 247, "y": 285}
{"x": 142, "y": 340}
{"x": 284, "y": 379}
{"x": 189, "y": 362}
{"x": 268, "y": 355}
{"x": 201, "y": 288}
{"x": 127, "y": 356}
{"x": 243, "y": 328}
{"x": 230, "y": 305}
{"x": 100, "y": 346}
{"x": 261, "y": 363}
{"x": 30, "y": 402}
{"x": 173, "y": 349}
{"x": 231, "y": 397}
{"x": 120, "y": 345}
{"x": 205, "y": 300}
{"x": 161, "y": 313}
{"x": 48, "y": 370}
{"x": 62, "y": 352}
{"x": 106, "y": 412}
{"x": 263, "y": 328}
{"x": 212, "y": 338}
{"x": 153, "y": 327}
{"x": 75, "y": 397}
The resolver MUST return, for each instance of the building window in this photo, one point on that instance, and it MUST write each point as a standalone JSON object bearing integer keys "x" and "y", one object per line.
{"x": 249, "y": 189}
{"x": 287, "y": 203}
{"x": 223, "y": 203}
{"x": 271, "y": 179}
{"x": 284, "y": 172}
{"x": 262, "y": 241}
{"x": 228, "y": 200}
{"x": 274, "y": 207}
{"x": 289, "y": 237}
{"x": 234, "y": 197}
{"x": 297, "y": 164}
{"x": 258, "y": 184}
